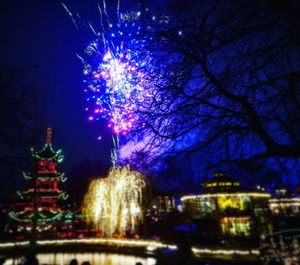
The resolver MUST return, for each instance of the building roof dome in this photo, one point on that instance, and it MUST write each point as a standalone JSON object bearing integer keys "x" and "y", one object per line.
{"x": 220, "y": 183}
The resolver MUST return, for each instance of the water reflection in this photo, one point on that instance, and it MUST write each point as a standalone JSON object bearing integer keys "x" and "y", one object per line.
{"x": 93, "y": 258}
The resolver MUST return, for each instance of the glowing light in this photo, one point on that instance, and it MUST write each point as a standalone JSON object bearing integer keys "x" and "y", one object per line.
{"x": 46, "y": 183}
{"x": 114, "y": 84}
{"x": 238, "y": 194}
{"x": 285, "y": 200}
{"x": 113, "y": 204}
{"x": 225, "y": 251}
{"x": 117, "y": 89}
{"x": 150, "y": 245}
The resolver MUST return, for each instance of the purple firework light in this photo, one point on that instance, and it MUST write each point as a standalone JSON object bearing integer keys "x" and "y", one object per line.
{"x": 115, "y": 85}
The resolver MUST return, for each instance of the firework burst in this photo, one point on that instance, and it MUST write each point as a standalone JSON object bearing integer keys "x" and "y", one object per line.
{"x": 114, "y": 84}
{"x": 115, "y": 91}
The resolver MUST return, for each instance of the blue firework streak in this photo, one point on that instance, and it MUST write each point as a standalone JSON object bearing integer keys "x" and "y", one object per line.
{"x": 114, "y": 83}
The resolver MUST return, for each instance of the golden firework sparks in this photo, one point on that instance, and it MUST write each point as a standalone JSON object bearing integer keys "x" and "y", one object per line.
{"x": 113, "y": 204}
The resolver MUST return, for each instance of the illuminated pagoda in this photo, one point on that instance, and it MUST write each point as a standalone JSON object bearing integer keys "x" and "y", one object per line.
{"x": 39, "y": 204}
{"x": 224, "y": 210}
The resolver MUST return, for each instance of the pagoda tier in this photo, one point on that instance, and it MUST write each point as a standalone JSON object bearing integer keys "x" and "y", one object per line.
{"x": 26, "y": 216}
{"x": 43, "y": 193}
{"x": 48, "y": 153}
{"x": 58, "y": 175}
{"x": 43, "y": 203}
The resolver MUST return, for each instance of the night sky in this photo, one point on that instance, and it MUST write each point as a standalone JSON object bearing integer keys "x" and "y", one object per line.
{"x": 40, "y": 34}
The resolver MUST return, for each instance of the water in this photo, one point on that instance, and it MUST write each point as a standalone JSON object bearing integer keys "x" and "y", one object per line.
{"x": 93, "y": 258}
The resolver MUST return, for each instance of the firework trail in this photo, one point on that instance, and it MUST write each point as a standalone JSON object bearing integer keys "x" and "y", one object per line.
{"x": 114, "y": 85}
{"x": 114, "y": 88}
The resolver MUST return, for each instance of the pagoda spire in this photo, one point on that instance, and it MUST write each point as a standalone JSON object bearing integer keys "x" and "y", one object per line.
{"x": 47, "y": 153}
{"x": 49, "y": 135}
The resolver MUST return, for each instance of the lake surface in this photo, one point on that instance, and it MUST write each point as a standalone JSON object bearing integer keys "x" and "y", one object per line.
{"x": 93, "y": 258}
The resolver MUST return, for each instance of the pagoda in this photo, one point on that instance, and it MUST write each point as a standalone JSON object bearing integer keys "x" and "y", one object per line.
{"x": 38, "y": 207}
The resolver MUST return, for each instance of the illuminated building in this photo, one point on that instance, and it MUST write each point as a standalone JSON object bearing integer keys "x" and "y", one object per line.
{"x": 161, "y": 217}
{"x": 160, "y": 208}
{"x": 285, "y": 209}
{"x": 225, "y": 210}
{"x": 38, "y": 207}
{"x": 163, "y": 204}
{"x": 284, "y": 204}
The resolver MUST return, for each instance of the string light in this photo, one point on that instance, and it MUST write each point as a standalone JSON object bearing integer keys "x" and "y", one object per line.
{"x": 46, "y": 180}
{"x": 113, "y": 204}
{"x": 238, "y": 194}
{"x": 150, "y": 245}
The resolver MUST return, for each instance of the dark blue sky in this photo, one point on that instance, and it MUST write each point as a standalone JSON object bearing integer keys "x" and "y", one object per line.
{"x": 41, "y": 34}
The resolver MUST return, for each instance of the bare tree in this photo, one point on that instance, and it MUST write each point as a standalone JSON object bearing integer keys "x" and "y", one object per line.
{"x": 224, "y": 78}
{"x": 20, "y": 121}
{"x": 19, "y": 105}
